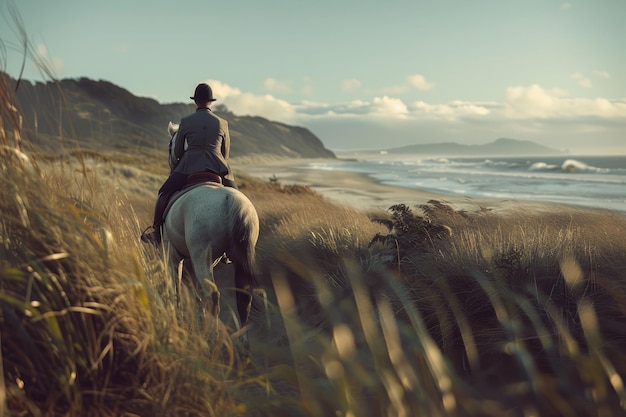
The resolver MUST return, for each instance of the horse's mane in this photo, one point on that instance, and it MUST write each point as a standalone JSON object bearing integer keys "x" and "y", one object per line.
{"x": 172, "y": 128}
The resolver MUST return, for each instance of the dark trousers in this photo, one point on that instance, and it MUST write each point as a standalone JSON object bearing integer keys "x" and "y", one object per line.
{"x": 174, "y": 183}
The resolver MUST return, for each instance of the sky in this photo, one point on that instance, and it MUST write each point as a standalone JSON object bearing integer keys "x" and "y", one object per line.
{"x": 359, "y": 74}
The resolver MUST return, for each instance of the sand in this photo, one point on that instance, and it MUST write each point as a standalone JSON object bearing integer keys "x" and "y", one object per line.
{"x": 360, "y": 190}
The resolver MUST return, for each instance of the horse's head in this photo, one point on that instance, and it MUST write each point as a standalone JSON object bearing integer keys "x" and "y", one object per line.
{"x": 172, "y": 128}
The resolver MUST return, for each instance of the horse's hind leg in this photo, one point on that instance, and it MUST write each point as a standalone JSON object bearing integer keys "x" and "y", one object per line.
{"x": 243, "y": 281}
{"x": 202, "y": 260}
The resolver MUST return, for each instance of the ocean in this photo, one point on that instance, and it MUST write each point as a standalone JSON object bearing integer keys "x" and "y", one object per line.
{"x": 589, "y": 181}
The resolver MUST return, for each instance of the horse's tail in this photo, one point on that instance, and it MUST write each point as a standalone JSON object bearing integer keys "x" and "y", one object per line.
{"x": 244, "y": 226}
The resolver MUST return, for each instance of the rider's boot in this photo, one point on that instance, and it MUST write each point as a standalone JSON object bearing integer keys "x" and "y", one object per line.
{"x": 152, "y": 235}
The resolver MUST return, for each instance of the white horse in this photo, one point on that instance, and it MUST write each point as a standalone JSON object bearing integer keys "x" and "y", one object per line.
{"x": 203, "y": 224}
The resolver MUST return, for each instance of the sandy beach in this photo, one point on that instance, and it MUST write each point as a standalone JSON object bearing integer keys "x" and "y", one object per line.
{"x": 359, "y": 190}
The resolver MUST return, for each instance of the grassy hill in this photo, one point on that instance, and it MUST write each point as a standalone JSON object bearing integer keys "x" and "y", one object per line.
{"x": 99, "y": 115}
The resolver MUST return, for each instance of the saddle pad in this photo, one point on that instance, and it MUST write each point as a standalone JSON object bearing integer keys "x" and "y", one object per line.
{"x": 184, "y": 190}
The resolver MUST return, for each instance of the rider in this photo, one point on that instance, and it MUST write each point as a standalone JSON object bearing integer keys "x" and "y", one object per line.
{"x": 208, "y": 149}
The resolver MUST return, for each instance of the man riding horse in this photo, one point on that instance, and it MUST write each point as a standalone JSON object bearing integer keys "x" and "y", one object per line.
{"x": 203, "y": 144}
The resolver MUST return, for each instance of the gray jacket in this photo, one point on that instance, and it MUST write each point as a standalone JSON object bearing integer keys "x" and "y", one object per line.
{"x": 208, "y": 144}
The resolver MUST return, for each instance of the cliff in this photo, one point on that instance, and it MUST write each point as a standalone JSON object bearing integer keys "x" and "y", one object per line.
{"x": 101, "y": 116}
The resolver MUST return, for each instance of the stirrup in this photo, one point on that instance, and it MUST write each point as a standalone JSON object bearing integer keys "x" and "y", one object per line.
{"x": 151, "y": 235}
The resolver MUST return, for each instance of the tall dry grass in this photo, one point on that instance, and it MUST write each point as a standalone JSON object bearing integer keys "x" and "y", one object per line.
{"x": 88, "y": 322}
{"x": 527, "y": 305}
{"x": 449, "y": 313}
{"x": 424, "y": 311}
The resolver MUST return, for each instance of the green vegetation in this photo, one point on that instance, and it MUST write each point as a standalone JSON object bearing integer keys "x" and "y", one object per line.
{"x": 417, "y": 311}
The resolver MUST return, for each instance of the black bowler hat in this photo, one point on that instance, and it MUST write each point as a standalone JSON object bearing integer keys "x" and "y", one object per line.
{"x": 203, "y": 93}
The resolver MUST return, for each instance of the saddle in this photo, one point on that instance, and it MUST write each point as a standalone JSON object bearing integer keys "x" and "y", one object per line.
{"x": 202, "y": 177}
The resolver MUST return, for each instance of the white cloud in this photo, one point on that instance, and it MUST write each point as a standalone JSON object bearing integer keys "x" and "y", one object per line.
{"x": 42, "y": 50}
{"x": 602, "y": 74}
{"x": 418, "y": 81}
{"x": 581, "y": 79}
{"x": 42, "y": 57}
{"x": 520, "y": 103}
{"x": 566, "y": 6}
{"x": 222, "y": 91}
{"x": 452, "y": 111}
{"x": 274, "y": 86}
{"x": 350, "y": 85}
{"x": 526, "y": 112}
{"x": 525, "y": 108}
{"x": 388, "y": 106}
{"x": 244, "y": 104}
{"x": 537, "y": 102}
{"x": 533, "y": 101}
{"x": 266, "y": 106}
{"x": 412, "y": 81}
{"x": 353, "y": 108}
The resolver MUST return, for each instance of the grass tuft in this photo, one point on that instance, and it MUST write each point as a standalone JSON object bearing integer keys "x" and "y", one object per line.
{"x": 416, "y": 311}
